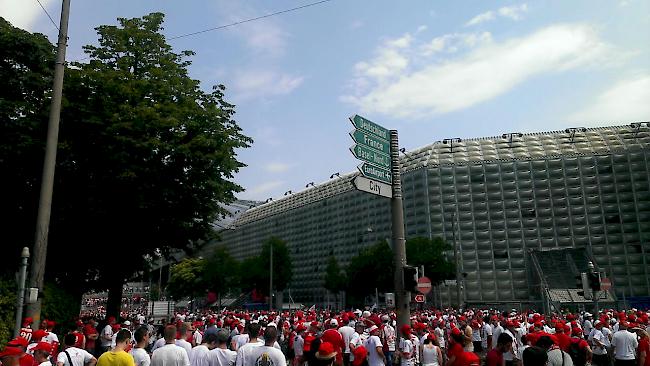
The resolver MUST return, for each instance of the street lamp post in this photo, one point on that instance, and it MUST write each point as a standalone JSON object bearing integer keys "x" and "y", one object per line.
{"x": 22, "y": 274}
{"x": 456, "y": 259}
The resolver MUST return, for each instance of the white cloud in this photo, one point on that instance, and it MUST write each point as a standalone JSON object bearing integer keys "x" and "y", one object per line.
{"x": 481, "y": 18}
{"x": 625, "y": 101}
{"x": 24, "y": 14}
{"x": 418, "y": 86}
{"x": 277, "y": 167}
{"x": 264, "y": 188}
{"x": 264, "y": 83}
{"x": 514, "y": 12}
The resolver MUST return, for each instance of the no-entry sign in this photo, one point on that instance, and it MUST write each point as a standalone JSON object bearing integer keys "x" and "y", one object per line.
{"x": 424, "y": 285}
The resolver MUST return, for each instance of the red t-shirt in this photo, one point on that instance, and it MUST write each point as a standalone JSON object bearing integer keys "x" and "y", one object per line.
{"x": 468, "y": 359}
{"x": 563, "y": 341}
{"x": 644, "y": 345}
{"x": 494, "y": 358}
{"x": 88, "y": 331}
{"x": 456, "y": 350}
{"x": 26, "y": 360}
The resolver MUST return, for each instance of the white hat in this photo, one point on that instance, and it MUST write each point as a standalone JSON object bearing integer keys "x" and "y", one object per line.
{"x": 588, "y": 314}
{"x": 127, "y": 323}
{"x": 372, "y": 329}
{"x": 271, "y": 324}
{"x": 596, "y": 322}
{"x": 334, "y": 323}
{"x": 366, "y": 314}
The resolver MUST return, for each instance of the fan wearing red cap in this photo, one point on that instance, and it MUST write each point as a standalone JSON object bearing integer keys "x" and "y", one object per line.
{"x": 265, "y": 354}
{"x": 42, "y": 352}
{"x": 10, "y": 356}
{"x": 406, "y": 349}
{"x": 375, "y": 348}
{"x": 579, "y": 348}
{"x": 26, "y": 330}
{"x": 431, "y": 354}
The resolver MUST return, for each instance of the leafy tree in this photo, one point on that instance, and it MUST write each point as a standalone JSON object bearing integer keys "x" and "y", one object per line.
{"x": 334, "y": 277}
{"x": 282, "y": 264}
{"x": 26, "y": 70}
{"x": 372, "y": 268}
{"x": 431, "y": 254}
{"x": 335, "y": 280}
{"x": 145, "y": 155}
{"x": 253, "y": 274}
{"x": 186, "y": 279}
{"x": 221, "y": 271}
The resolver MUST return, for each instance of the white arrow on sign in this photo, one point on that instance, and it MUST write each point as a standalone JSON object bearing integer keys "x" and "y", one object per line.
{"x": 373, "y": 186}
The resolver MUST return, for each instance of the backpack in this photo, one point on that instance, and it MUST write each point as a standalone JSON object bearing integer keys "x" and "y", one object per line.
{"x": 578, "y": 355}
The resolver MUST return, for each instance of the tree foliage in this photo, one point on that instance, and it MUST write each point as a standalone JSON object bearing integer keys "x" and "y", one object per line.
{"x": 221, "y": 271}
{"x": 430, "y": 253}
{"x": 282, "y": 264}
{"x": 187, "y": 279}
{"x": 372, "y": 268}
{"x": 335, "y": 280}
{"x": 145, "y": 156}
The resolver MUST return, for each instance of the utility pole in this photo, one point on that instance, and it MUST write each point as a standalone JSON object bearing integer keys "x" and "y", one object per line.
{"x": 271, "y": 277}
{"x": 402, "y": 297}
{"x": 456, "y": 258}
{"x": 37, "y": 272}
{"x": 22, "y": 274}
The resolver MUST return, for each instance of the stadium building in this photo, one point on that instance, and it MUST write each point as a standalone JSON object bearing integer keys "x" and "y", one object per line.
{"x": 526, "y": 213}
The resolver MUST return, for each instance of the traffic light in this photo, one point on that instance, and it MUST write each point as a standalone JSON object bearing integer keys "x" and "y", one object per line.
{"x": 410, "y": 278}
{"x": 594, "y": 281}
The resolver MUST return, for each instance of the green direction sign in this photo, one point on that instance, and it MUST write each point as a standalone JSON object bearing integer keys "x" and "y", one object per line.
{"x": 376, "y": 173}
{"x": 370, "y": 155}
{"x": 370, "y": 127}
{"x": 363, "y": 138}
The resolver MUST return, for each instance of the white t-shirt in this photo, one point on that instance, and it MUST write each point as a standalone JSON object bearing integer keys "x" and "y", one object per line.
{"x": 440, "y": 335}
{"x": 389, "y": 333}
{"x": 486, "y": 331}
{"x": 355, "y": 340}
{"x": 199, "y": 356}
{"x": 430, "y": 355}
{"x": 140, "y": 356}
{"x": 78, "y": 356}
{"x": 159, "y": 343}
{"x": 187, "y": 346}
{"x": 239, "y": 340}
{"x": 298, "y": 345}
{"x": 222, "y": 357}
{"x": 266, "y": 356}
{"x": 197, "y": 337}
{"x": 347, "y": 332}
{"x": 626, "y": 344}
{"x": 496, "y": 332}
{"x": 371, "y": 345}
{"x": 608, "y": 336}
{"x": 599, "y": 336}
{"x": 244, "y": 352}
{"x": 170, "y": 355}
{"x": 51, "y": 338}
{"x": 46, "y": 363}
{"x": 107, "y": 332}
{"x": 406, "y": 346}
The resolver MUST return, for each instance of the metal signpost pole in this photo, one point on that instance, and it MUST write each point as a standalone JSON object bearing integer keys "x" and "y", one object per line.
{"x": 402, "y": 297}
{"x": 22, "y": 274}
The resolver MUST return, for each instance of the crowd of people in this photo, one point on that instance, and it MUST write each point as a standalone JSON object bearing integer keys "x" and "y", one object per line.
{"x": 348, "y": 338}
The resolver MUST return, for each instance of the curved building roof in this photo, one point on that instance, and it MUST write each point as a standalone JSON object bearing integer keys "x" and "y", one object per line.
{"x": 507, "y": 147}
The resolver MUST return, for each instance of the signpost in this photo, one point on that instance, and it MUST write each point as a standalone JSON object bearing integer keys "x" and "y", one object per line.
{"x": 424, "y": 285}
{"x": 419, "y": 298}
{"x": 360, "y": 137}
{"x": 370, "y": 127}
{"x": 370, "y": 155}
{"x": 374, "y": 187}
{"x": 375, "y": 173}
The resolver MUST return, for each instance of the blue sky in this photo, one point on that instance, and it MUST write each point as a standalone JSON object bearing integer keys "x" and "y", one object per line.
{"x": 431, "y": 69}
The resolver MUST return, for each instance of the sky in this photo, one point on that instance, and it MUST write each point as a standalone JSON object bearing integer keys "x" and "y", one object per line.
{"x": 430, "y": 69}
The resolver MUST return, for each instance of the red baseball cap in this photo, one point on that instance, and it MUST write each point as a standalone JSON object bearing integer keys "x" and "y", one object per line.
{"x": 18, "y": 341}
{"x": 11, "y": 352}
{"x": 43, "y": 346}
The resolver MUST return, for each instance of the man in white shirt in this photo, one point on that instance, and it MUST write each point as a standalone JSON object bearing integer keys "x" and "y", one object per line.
{"x": 598, "y": 345}
{"x": 266, "y": 354}
{"x": 375, "y": 348}
{"x": 355, "y": 339}
{"x": 440, "y": 335}
{"x": 486, "y": 334}
{"x": 346, "y": 332}
{"x": 106, "y": 336}
{"x": 244, "y": 352}
{"x": 200, "y": 355}
{"x": 587, "y": 326}
{"x": 624, "y": 344}
{"x": 221, "y": 355}
{"x": 299, "y": 344}
{"x": 390, "y": 336}
{"x": 170, "y": 354}
{"x": 497, "y": 329}
{"x": 140, "y": 356}
{"x": 406, "y": 347}
{"x": 72, "y": 356}
{"x": 185, "y": 332}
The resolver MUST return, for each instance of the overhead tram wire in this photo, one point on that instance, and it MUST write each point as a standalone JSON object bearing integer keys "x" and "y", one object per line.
{"x": 250, "y": 19}
{"x": 235, "y": 23}
{"x": 48, "y": 14}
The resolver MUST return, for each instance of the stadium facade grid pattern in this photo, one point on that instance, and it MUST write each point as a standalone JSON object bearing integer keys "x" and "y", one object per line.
{"x": 585, "y": 188}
